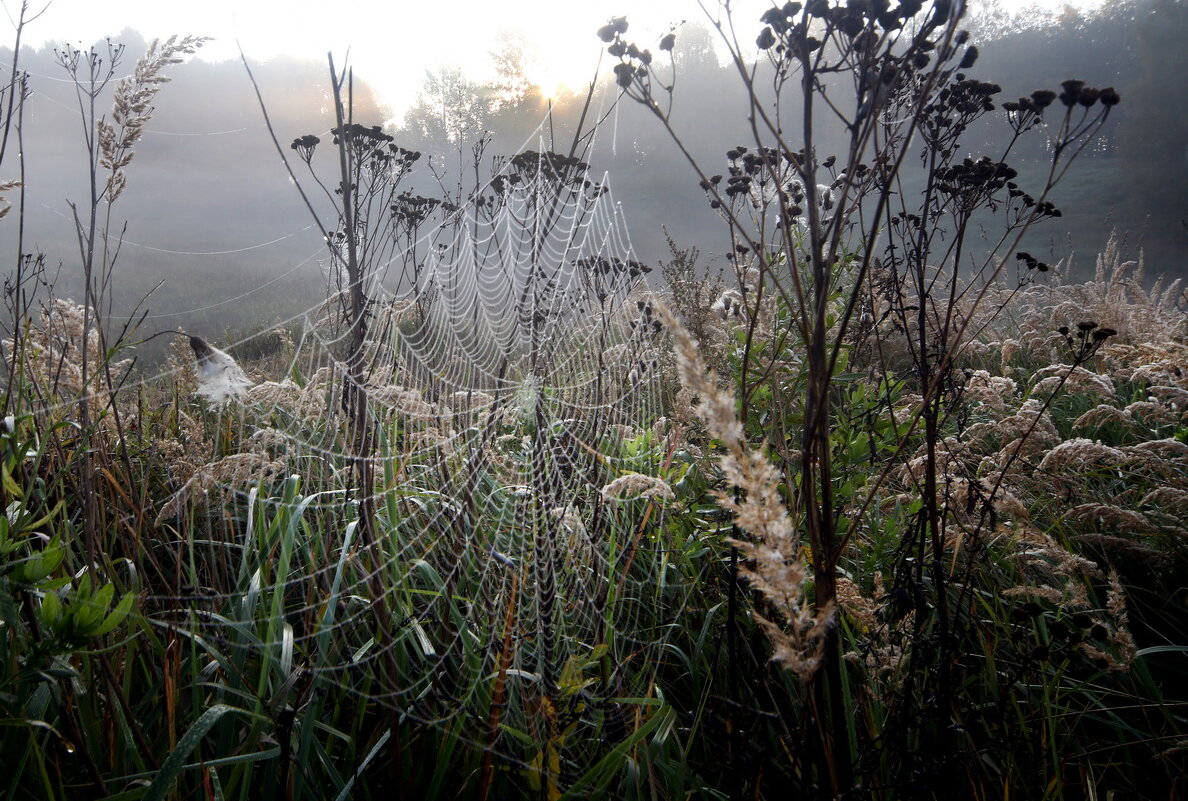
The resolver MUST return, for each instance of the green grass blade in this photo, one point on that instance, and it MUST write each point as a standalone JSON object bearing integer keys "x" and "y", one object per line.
{"x": 175, "y": 762}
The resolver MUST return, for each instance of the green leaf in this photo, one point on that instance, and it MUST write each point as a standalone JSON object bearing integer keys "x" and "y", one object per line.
{"x": 375, "y": 749}
{"x": 117, "y": 615}
{"x": 51, "y": 609}
{"x": 11, "y": 486}
{"x": 31, "y": 724}
{"x": 9, "y": 614}
{"x": 598, "y": 777}
{"x": 49, "y": 516}
{"x": 1162, "y": 649}
{"x": 90, "y": 609}
{"x": 177, "y": 758}
{"x": 34, "y": 569}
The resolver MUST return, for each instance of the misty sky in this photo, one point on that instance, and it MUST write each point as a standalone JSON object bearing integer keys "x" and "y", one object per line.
{"x": 392, "y": 43}
{"x": 236, "y": 244}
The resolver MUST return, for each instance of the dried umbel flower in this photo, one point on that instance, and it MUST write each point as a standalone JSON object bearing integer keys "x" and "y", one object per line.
{"x": 1072, "y": 92}
{"x": 1043, "y": 98}
{"x": 304, "y": 145}
{"x": 1088, "y": 96}
{"x": 616, "y": 27}
{"x": 624, "y": 74}
{"x": 1031, "y": 261}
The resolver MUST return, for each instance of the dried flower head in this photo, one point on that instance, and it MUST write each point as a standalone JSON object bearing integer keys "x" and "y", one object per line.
{"x": 775, "y": 567}
{"x": 633, "y": 486}
{"x": 132, "y": 107}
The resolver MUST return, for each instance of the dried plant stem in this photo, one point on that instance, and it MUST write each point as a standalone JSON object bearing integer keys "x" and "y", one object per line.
{"x": 499, "y": 690}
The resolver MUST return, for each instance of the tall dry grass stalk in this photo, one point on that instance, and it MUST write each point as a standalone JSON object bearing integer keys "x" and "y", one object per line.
{"x": 775, "y": 562}
{"x": 132, "y": 107}
{"x": 56, "y": 347}
{"x": 1023, "y": 322}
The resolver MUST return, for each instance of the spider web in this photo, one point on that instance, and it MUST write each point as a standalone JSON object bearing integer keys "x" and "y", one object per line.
{"x": 512, "y": 379}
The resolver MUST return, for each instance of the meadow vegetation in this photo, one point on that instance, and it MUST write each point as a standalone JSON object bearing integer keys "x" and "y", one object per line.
{"x": 512, "y": 515}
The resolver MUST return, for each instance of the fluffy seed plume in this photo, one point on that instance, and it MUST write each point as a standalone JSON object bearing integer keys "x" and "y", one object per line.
{"x": 220, "y": 379}
{"x": 775, "y": 564}
{"x": 6, "y": 186}
{"x": 132, "y": 107}
{"x": 633, "y": 486}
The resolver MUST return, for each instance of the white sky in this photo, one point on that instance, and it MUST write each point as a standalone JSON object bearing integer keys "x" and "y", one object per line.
{"x": 391, "y": 42}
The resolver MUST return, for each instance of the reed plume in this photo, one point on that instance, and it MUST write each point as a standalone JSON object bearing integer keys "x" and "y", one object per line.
{"x": 132, "y": 107}
{"x": 775, "y": 564}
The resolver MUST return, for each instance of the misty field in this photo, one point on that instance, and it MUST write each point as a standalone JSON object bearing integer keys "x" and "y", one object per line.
{"x": 886, "y": 507}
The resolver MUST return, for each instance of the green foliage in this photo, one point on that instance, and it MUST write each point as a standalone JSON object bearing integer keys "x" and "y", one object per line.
{"x": 86, "y": 614}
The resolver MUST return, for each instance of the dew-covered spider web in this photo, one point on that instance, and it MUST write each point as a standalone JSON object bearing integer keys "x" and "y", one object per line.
{"x": 507, "y": 586}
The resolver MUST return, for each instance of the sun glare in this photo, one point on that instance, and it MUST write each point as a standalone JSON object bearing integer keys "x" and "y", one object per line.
{"x": 553, "y": 82}
{"x": 562, "y": 49}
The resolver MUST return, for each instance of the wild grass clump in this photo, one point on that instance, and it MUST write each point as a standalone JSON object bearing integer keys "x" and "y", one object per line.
{"x": 916, "y": 471}
{"x": 1064, "y": 545}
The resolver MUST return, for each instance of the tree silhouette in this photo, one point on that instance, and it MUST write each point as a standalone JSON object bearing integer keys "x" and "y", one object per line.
{"x": 1153, "y": 143}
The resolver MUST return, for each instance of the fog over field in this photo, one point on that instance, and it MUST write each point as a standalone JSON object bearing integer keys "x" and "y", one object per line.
{"x": 211, "y": 212}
